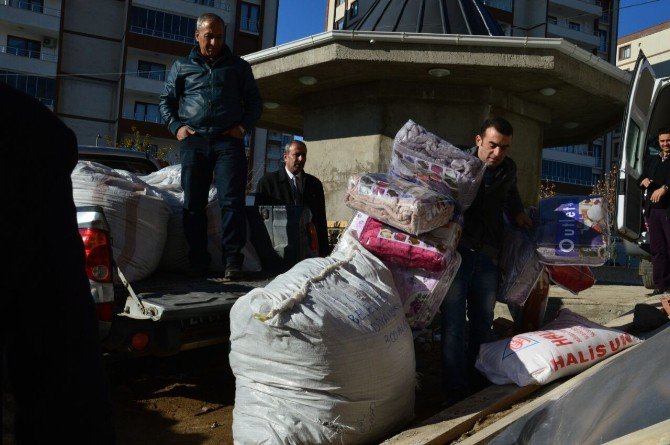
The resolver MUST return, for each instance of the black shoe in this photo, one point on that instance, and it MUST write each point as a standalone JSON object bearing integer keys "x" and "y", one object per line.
{"x": 656, "y": 292}
{"x": 234, "y": 273}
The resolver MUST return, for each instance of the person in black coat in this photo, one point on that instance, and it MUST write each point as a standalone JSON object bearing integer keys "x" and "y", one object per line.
{"x": 655, "y": 180}
{"x": 48, "y": 325}
{"x": 280, "y": 188}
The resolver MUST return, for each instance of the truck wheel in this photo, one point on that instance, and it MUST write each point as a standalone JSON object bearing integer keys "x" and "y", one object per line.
{"x": 646, "y": 273}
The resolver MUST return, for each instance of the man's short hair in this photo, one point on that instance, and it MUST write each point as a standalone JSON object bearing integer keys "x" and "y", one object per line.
{"x": 208, "y": 17}
{"x": 501, "y": 125}
{"x": 287, "y": 147}
{"x": 664, "y": 130}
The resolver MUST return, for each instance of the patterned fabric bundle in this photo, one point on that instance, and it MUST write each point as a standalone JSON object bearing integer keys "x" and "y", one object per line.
{"x": 421, "y": 291}
{"x": 573, "y": 230}
{"x": 519, "y": 266}
{"x": 422, "y": 157}
{"x": 399, "y": 203}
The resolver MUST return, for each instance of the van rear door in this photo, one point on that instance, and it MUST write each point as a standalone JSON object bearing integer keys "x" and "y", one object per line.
{"x": 634, "y": 147}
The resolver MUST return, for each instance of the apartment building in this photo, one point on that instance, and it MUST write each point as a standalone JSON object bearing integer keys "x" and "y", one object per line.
{"x": 653, "y": 41}
{"x": 101, "y": 65}
{"x": 590, "y": 24}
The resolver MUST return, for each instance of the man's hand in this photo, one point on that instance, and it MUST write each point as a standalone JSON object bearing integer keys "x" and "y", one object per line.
{"x": 237, "y": 132}
{"x": 184, "y": 132}
{"x": 522, "y": 220}
{"x": 658, "y": 193}
{"x": 645, "y": 182}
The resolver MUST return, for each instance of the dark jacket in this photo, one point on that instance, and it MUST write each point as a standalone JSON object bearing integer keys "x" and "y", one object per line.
{"x": 275, "y": 189}
{"x": 210, "y": 99}
{"x": 659, "y": 173}
{"x": 483, "y": 221}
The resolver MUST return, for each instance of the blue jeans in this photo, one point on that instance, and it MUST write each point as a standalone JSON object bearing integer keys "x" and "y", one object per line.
{"x": 225, "y": 159}
{"x": 472, "y": 293}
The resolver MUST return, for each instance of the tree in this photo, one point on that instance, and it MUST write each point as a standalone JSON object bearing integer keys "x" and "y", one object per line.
{"x": 606, "y": 187}
{"x": 141, "y": 142}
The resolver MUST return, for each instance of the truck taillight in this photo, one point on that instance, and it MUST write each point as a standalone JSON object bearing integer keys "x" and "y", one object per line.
{"x": 98, "y": 255}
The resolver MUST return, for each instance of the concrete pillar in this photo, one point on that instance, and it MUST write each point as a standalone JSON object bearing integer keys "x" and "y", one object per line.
{"x": 350, "y": 131}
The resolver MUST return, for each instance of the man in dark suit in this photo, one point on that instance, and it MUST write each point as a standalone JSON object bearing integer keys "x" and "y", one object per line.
{"x": 291, "y": 185}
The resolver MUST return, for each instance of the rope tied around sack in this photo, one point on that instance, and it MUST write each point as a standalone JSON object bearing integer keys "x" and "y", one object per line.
{"x": 301, "y": 293}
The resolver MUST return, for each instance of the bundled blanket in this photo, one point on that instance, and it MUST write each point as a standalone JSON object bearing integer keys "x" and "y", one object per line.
{"x": 404, "y": 205}
{"x": 422, "y": 157}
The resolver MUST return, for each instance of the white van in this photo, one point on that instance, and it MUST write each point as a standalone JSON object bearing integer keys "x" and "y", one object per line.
{"x": 647, "y": 111}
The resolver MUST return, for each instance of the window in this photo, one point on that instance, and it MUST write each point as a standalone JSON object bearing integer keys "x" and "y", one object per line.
{"x": 31, "y": 5}
{"x": 575, "y": 26}
{"x": 553, "y": 20}
{"x": 162, "y": 25}
{"x": 151, "y": 70}
{"x": 147, "y": 112}
{"x": 339, "y": 24}
{"x": 23, "y": 47}
{"x": 568, "y": 173}
{"x": 604, "y": 41}
{"x": 353, "y": 10}
{"x": 41, "y": 88}
{"x": 624, "y": 52}
{"x": 340, "y": 2}
{"x": 249, "y": 15}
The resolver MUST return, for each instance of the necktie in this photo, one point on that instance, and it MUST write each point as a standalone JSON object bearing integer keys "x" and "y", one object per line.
{"x": 297, "y": 193}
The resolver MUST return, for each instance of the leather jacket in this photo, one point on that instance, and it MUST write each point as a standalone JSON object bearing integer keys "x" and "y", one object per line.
{"x": 210, "y": 98}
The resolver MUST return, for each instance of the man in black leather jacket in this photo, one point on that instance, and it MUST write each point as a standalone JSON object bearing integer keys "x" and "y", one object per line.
{"x": 209, "y": 103}
{"x": 473, "y": 291}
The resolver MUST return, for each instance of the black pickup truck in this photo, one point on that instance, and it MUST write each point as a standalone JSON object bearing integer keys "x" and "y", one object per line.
{"x": 167, "y": 312}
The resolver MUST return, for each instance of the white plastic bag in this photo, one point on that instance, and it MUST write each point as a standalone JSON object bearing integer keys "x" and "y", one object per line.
{"x": 322, "y": 354}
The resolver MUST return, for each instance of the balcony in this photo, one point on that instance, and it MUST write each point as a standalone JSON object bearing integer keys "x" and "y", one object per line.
{"x": 503, "y": 5}
{"x": 143, "y": 117}
{"x": 143, "y": 82}
{"x": 222, "y": 5}
{"x": 23, "y": 61}
{"x": 584, "y": 38}
{"x": 162, "y": 35}
{"x": 584, "y": 9}
{"x": 31, "y": 16}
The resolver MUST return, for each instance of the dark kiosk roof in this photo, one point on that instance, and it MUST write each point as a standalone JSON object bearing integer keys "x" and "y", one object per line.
{"x": 429, "y": 16}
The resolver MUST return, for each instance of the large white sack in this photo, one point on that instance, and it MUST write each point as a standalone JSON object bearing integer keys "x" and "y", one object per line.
{"x": 175, "y": 255}
{"x": 322, "y": 354}
{"x": 136, "y": 212}
{"x": 568, "y": 345}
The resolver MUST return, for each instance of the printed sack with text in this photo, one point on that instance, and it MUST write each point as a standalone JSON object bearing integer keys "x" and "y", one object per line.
{"x": 566, "y": 346}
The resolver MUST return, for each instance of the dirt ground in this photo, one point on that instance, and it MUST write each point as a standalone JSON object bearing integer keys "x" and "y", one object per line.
{"x": 188, "y": 399}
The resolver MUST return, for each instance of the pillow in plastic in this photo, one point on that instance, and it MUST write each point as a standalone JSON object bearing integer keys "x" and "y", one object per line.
{"x": 572, "y": 278}
{"x": 404, "y": 205}
{"x": 422, "y": 157}
{"x": 519, "y": 266}
{"x": 573, "y": 230}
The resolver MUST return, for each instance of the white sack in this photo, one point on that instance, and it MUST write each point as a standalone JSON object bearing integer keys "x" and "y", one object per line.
{"x": 566, "y": 346}
{"x": 175, "y": 255}
{"x": 322, "y": 354}
{"x": 136, "y": 212}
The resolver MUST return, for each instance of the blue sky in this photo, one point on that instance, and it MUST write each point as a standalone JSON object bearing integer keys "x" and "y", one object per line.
{"x": 302, "y": 18}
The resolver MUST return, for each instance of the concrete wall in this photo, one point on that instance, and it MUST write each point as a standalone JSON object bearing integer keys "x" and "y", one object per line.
{"x": 360, "y": 140}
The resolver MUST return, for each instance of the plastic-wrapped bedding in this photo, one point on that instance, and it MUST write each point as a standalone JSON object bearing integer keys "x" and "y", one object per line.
{"x": 571, "y": 278}
{"x": 422, "y": 157}
{"x": 136, "y": 212}
{"x": 568, "y": 345}
{"x": 394, "y": 246}
{"x": 167, "y": 181}
{"x": 322, "y": 354}
{"x": 573, "y": 230}
{"x": 421, "y": 291}
{"x": 404, "y": 205}
{"x": 519, "y": 266}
